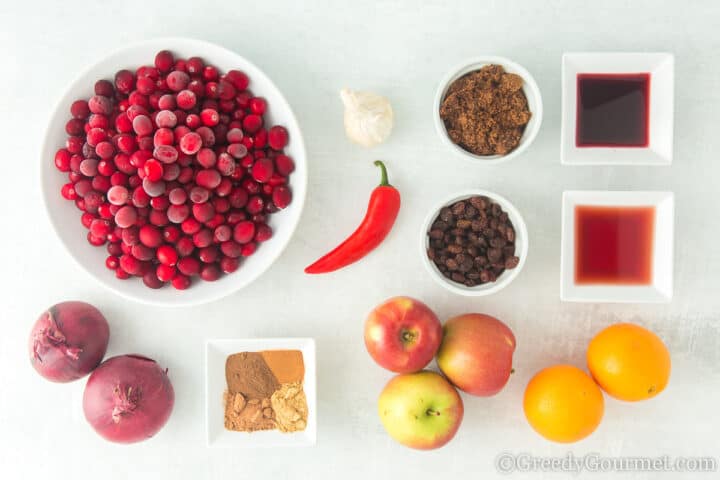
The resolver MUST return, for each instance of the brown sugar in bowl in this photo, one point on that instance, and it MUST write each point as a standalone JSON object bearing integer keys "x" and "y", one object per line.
{"x": 530, "y": 89}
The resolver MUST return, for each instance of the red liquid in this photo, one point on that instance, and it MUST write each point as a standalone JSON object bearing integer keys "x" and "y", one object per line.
{"x": 613, "y": 110}
{"x": 614, "y": 245}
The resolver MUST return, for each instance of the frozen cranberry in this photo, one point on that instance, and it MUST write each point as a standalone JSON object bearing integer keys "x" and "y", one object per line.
{"x": 223, "y": 233}
{"x": 281, "y": 196}
{"x": 277, "y": 137}
{"x": 206, "y": 157}
{"x": 188, "y": 266}
{"x": 244, "y": 231}
{"x": 248, "y": 249}
{"x": 264, "y": 233}
{"x": 192, "y": 121}
{"x": 225, "y": 164}
{"x": 163, "y": 136}
{"x": 118, "y": 195}
{"x": 154, "y": 189}
{"x": 177, "y": 80}
{"x": 92, "y": 199}
{"x": 203, "y": 238}
{"x": 105, "y": 211}
{"x": 165, "y": 119}
{"x": 151, "y": 280}
{"x": 80, "y": 109}
{"x": 100, "y": 104}
{"x": 234, "y": 135}
{"x": 164, "y": 61}
{"x": 199, "y": 195}
{"x": 75, "y": 126}
{"x": 158, "y": 218}
{"x": 165, "y": 153}
{"x": 181, "y": 282}
{"x": 74, "y": 144}
{"x": 172, "y": 172}
{"x": 252, "y": 123}
{"x": 190, "y": 226}
{"x": 207, "y": 178}
{"x": 231, "y": 249}
{"x": 262, "y": 170}
{"x": 153, "y": 170}
{"x": 210, "y": 273}
{"x": 229, "y": 264}
{"x": 145, "y": 85}
{"x": 209, "y": 117}
{"x": 167, "y": 255}
{"x": 62, "y": 160}
{"x": 160, "y": 203}
{"x": 238, "y": 198}
{"x": 186, "y": 100}
{"x": 239, "y": 80}
{"x": 171, "y": 234}
{"x": 167, "y": 102}
{"x": 210, "y": 73}
{"x": 177, "y": 196}
{"x": 142, "y": 125}
{"x": 203, "y": 212}
{"x": 130, "y": 264}
{"x": 255, "y": 204}
{"x": 190, "y": 143}
{"x": 165, "y": 273}
{"x": 150, "y": 236}
{"x": 142, "y": 253}
{"x": 185, "y": 246}
{"x": 68, "y": 191}
{"x": 208, "y": 254}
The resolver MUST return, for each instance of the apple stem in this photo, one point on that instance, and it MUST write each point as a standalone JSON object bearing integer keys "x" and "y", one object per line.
{"x": 430, "y": 411}
{"x": 407, "y": 336}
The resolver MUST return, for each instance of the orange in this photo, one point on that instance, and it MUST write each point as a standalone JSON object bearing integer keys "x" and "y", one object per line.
{"x": 563, "y": 404}
{"x": 629, "y": 362}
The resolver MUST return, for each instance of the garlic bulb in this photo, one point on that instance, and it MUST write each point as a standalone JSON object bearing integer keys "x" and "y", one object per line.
{"x": 368, "y": 117}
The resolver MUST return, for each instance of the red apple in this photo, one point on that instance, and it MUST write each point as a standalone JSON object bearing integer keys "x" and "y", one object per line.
{"x": 476, "y": 353}
{"x": 402, "y": 334}
{"x": 420, "y": 410}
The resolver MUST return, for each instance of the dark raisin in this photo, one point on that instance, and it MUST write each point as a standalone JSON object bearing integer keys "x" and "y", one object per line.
{"x": 440, "y": 225}
{"x": 458, "y": 277}
{"x": 510, "y": 234}
{"x": 470, "y": 212}
{"x": 451, "y": 264}
{"x": 512, "y": 262}
{"x": 508, "y": 250}
{"x": 494, "y": 254}
{"x": 436, "y": 234}
{"x": 431, "y": 254}
{"x": 498, "y": 242}
{"x": 446, "y": 215}
{"x": 485, "y": 276}
{"x": 464, "y": 224}
{"x": 454, "y": 249}
{"x": 458, "y": 208}
{"x": 481, "y": 261}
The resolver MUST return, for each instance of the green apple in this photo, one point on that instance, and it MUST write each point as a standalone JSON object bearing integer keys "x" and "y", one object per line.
{"x": 420, "y": 410}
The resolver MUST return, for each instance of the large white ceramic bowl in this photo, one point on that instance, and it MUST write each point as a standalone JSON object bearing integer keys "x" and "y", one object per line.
{"x": 532, "y": 92}
{"x": 65, "y": 217}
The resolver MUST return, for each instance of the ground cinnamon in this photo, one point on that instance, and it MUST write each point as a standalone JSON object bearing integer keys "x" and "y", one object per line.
{"x": 248, "y": 374}
{"x": 485, "y": 112}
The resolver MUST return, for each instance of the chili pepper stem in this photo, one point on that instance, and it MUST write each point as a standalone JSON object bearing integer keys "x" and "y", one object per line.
{"x": 384, "y": 178}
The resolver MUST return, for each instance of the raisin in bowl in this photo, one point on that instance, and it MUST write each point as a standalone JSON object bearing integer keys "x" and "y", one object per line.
{"x": 191, "y": 194}
{"x": 474, "y": 243}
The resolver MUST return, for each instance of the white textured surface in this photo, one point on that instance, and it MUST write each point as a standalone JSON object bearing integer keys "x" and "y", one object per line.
{"x": 400, "y": 49}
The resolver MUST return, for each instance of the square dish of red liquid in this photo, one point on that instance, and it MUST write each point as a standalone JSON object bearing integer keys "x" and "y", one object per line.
{"x": 613, "y": 110}
{"x": 614, "y": 245}
{"x": 617, "y": 108}
{"x": 617, "y": 246}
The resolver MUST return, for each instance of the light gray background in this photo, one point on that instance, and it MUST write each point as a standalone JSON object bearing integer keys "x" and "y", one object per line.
{"x": 400, "y": 49}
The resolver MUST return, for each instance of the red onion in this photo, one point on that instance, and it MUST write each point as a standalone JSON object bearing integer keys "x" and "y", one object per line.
{"x": 68, "y": 341}
{"x": 128, "y": 399}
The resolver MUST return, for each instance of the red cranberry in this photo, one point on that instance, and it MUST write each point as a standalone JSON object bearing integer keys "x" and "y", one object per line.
{"x": 186, "y": 100}
{"x": 203, "y": 212}
{"x": 192, "y": 121}
{"x": 177, "y": 80}
{"x": 130, "y": 264}
{"x": 208, "y": 254}
{"x": 248, "y": 249}
{"x": 166, "y": 119}
{"x": 210, "y": 117}
{"x": 208, "y": 178}
{"x": 281, "y": 196}
{"x": 189, "y": 266}
{"x": 234, "y": 135}
{"x": 178, "y": 213}
{"x": 226, "y": 90}
{"x": 171, "y": 234}
{"x": 181, "y": 282}
{"x": 262, "y": 170}
{"x": 62, "y": 160}
{"x": 258, "y": 105}
{"x": 231, "y": 249}
{"x": 244, "y": 231}
{"x": 165, "y": 273}
{"x": 177, "y": 196}
{"x": 105, "y": 211}
{"x": 203, "y": 238}
{"x": 225, "y": 164}
{"x": 229, "y": 264}
{"x": 145, "y": 85}
{"x": 153, "y": 170}
{"x": 239, "y": 80}
{"x": 142, "y": 125}
{"x": 190, "y": 226}
{"x": 167, "y": 255}
{"x": 164, "y": 136}
{"x": 206, "y": 157}
{"x": 154, "y": 189}
{"x": 223, "y": 233}
{"x": 210, "y": 273}
{"x": 150, "y": 236}
{"x": 106, "y": 168}
{"x": 185, "y": 246}
{"x": 68, "y": 191}
{"x": 151, "y": 280}
{"x": 255, "y": 205}
{"x": 277, "y": 137}
{"x": 143, "y": 253}
{"x": 118, "y": 195}
{"x": 164, "y": 61}
{"x": 263, "y": 234}
{"x": 190, "y": 143}
{"x": 79, "y": 109}
{"x": 167, "y": 102}
{"x": 100, "y": 104}
{"x": 165, "y": 153}
{"x": 252, "y": 123}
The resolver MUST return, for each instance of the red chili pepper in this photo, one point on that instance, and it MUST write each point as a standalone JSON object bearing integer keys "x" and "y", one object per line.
{"x": 381, "y": 214}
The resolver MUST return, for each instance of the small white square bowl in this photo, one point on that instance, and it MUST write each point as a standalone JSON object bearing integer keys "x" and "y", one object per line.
{"x": 661, "y": 287}
{"x": 660, "y": 66}
{"x": 216, "y": 353}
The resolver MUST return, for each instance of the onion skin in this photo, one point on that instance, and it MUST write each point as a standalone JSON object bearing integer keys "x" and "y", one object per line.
{"x": 128, "y": 399}
{"x": 68, "y": 341}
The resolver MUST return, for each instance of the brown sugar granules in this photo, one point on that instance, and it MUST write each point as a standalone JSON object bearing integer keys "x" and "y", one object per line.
{"x": 485, "y": 112}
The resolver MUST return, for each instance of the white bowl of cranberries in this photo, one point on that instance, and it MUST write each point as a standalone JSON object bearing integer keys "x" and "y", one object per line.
{"x": 174, "y": 171}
